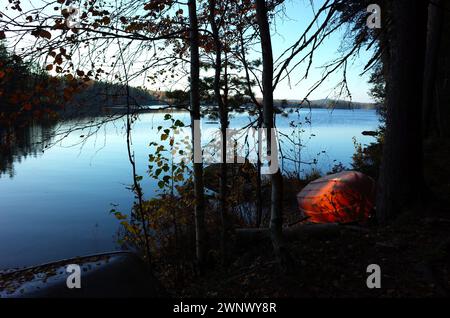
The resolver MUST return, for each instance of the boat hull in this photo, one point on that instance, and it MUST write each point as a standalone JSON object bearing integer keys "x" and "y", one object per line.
{"x": 116, "y": 274}
{"x": 343, "y": 197}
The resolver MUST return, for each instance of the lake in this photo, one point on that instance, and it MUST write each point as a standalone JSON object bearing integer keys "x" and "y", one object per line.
{"x": 56, "y": 203}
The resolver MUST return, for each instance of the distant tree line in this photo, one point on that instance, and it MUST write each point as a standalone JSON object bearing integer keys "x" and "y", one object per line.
{"x": 28, "y": 92}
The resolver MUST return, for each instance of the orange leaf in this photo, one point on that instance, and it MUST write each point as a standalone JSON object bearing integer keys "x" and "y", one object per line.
{"x": 45, "y": 34}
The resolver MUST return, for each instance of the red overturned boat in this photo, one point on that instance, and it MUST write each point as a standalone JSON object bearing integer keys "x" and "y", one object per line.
{"x": 343, "y": 197}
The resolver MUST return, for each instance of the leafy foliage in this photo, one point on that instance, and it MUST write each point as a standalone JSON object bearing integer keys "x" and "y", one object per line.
{"x": 368, "y": 159}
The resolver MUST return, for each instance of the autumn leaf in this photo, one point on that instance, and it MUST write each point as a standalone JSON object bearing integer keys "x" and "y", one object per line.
{"x": 27, "y": 106}
{"x": 42, "y": 33}
{"x": 45, "y": 34}
{"x": 58, "y": 59}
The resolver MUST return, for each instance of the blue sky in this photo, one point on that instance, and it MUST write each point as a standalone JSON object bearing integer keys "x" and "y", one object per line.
{"x": 286, "y": 31}
{"x": 300, "y": 14}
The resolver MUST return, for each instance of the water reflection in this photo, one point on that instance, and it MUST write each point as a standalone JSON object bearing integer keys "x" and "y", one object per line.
{"x": 22, "y": 141}
{"x": 55, "y": 202}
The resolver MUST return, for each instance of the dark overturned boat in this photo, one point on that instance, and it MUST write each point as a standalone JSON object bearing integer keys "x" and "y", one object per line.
{"x": 115, "y": 274}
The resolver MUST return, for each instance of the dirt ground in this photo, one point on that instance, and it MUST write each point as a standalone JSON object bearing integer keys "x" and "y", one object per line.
{"x": 413, "y": 253}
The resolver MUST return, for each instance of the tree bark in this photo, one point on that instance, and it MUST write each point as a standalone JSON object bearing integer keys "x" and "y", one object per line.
{"x": 223, "y": 114}
{"x": 254, "y": 235}
{"x": 200, "y": 229}
{"x": 260, "y": 120}
{"x": 401, "y": 176}
{"x": 258, "y": 186}
{"x": 435, "y": 16}
{"x": 268, "y": 114}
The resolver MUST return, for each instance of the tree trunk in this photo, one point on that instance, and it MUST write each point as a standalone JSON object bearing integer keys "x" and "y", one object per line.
{"x": 223, "y": 114}
{"x": 260, "y": 120}
{"x": 196, "y": 141}
{"x": 251, "y": 236}
{"x": 268, "y": 113}
{"x": 435, "y": 15}
{"x": 401, "y": 175}
{"x": 442, "y": 91}
{"x": 258, "y": 184}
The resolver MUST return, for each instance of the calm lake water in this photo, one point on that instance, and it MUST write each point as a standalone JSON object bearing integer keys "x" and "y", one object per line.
{"x": 55, "y": 204}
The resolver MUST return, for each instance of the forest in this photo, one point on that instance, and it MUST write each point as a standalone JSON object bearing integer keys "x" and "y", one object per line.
{"x": 193, "y": 132}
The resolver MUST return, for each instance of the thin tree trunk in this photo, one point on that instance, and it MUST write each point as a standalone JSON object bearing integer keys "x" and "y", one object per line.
{"x": 260, "y": 120}
{"x": 258, "y": 182}
{"x": 196, "y": 143}
{"x": 401, "y": 176}
{"x": 223, "y": 114}
{"x": 136, "y": 186}
{"x": 268, "y": 113}
{"x": 224, "y": 168}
